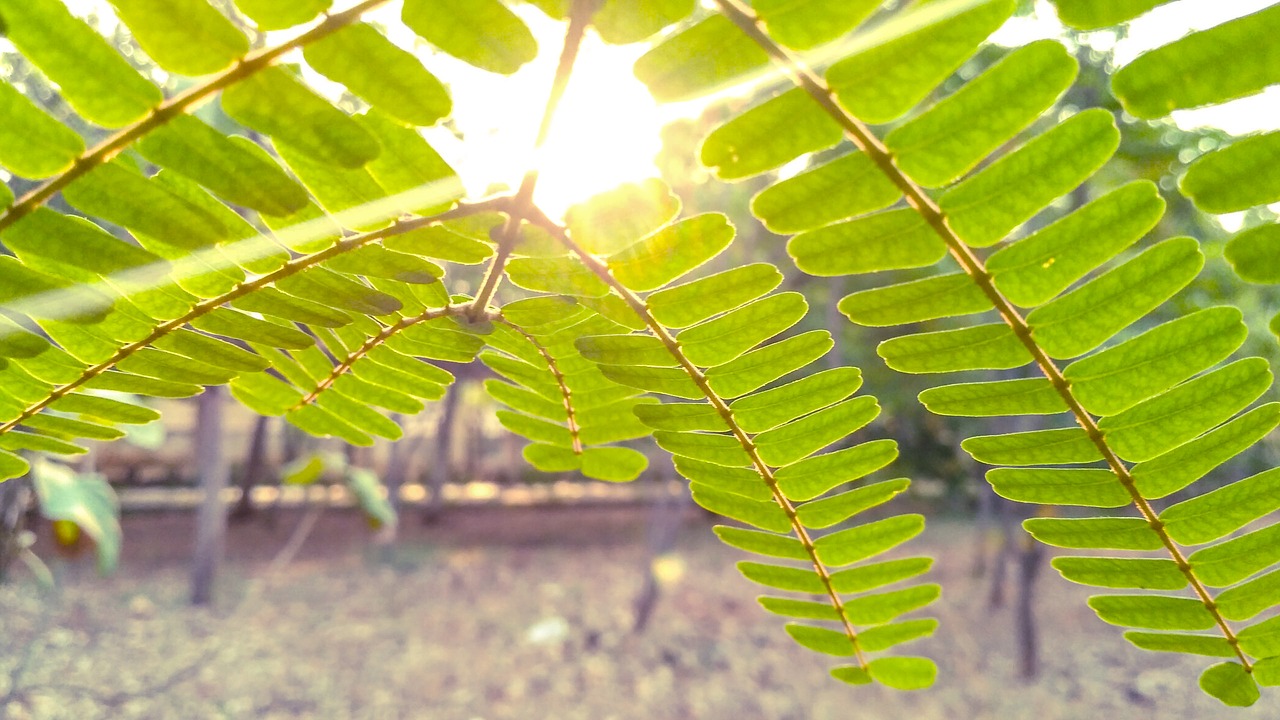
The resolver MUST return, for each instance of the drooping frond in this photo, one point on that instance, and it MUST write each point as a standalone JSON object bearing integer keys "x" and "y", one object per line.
{"x": 1058, "y": 294}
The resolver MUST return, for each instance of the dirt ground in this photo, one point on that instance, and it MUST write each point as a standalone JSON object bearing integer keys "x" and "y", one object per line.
{"x": 525, "y": 614}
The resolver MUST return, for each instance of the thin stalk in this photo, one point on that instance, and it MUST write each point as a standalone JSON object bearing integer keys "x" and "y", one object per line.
{"x": 365, "y": 348}
{"x": 919, "y": 200}
{"x": 638, "y": 306}
{"x": 177, "y": 105}
{"x": 566, "y": 395}
{"x": 509, "y": 235}
{"x": 245, "y": 288}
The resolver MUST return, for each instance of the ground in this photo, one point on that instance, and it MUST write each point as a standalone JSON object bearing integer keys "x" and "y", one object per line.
{"x": 524, "y": 614}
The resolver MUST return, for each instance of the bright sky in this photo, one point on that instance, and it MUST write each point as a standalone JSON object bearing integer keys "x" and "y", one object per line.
{"x": 607, "y": 130}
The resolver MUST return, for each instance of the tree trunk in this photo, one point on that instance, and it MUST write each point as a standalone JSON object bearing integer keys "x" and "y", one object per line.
{"x": 438, "y": 469}
{"x": 255, "y": 469}
{"x": 214, "y": 472}
{"x": 1031, "y": 557}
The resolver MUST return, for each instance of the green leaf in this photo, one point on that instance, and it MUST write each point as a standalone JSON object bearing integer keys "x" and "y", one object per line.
{"x": 842, "y": 188}
{"x": 821, "y": 639}
{"x": 808, "y": 23}
{"x": 803, "y": 609}
{"x": 681, "y": 416}
{"x": 851, "y": 674}
{"x": 70, "y": 429}
{"x": 1255, "y": 254}
{"x": 719, "y": 449}
{"x": 626, "y": 21}
{"x": 870, "y": 577}
{"x": 701, "y": 59}
{"x": 16, "y": 440}
{"x": 1156, "y": 612}
{"x": 626, "y": 350}
{"x": 412, "y": 171}
{"x": 1267, "y": 672}
{"x": 85, "y": 246}
{"x": 771, "y": 408}
{"x": 984, "y": 208}
{"x": 1261, "y": 639}
{"x": 323, "y": 286}
{"x": 564, "y": 276}
{"x": 371, "y": 495}
{"x": 124, "y": 197}
{"x": 616, "y": 219}
{"x": 764, "y": 515}
{"x": 1087, "y": 487}
{"x": 210, "y": 350}
{"x": 770, "y": 135}
{"x": 95, "y": 80}
{"x": 1176, "y": 642}
{"x": 783, "y": 578}
{"x": 376, "y": 261}
{"x": 886, "y": 636}
{"x": 954, "y": 135}
{"x": 1230, "y": 562}
{"x": 798, "y": 439}
{"x": 716, "y": 342}
{"x": 272, "y": 302}
{"x": 1179, "y": 468}
{"x": 548, "y": 458}
{"x": 1121, "y": 376}
{"x": 739, "y": 481}
{"x": 1220, "y": 512}
{"x": 281, "y": 14}
{"x": 11, "y": 466}
{"x": 188, "y": 37}
{"x": 1033, "y": 270}
{"x": 1140, "y": 573}
{"x": 276, "y": 103}
{"x": 671, "y": 252}
{"x": 916, "y": 301}
{"x": 1245, "y": 601}
{"x": 1035, "y": 447}
{"x": 1239, "y": 176}
{"x": 766, "y": 364}
{"x": 483, "y": 33}
{"x": 1097, "y": 14}
{"x": 163, "y": 365}
{"x": 84, "y": 499}
{"x": 189, "y": 147}
{"x": 1029, "y": 396}
{"x": 886, "y": 80}
{"x": 387, "y": 77}
{"x": 233, "y": 323}
{"x": 1230, "y": 683}
{"x": 141, "y": 385}
{"x": 667, "y": 381}
{"x": 904, "y": 673}
{"x": 864, "y": 541}
{"x": 815, "y": 476}
{"x": 884, "y": 607}
{"x": 1222, "y": 63}
{"x": 761, "y": 543}
{"x": 1166, "y": 421}
{"x": 1094, "y": 533}
{"x": 838, "y": 508}
{"x": 264, "y": 394}
{"x": 35, "y": 145}
{"x": 613, "y": 464}
{"x": 693, "y": 302}
{"x": 892, "y": 240}
{"x": 318, "y": 421}
{"x": 981, "y": 347}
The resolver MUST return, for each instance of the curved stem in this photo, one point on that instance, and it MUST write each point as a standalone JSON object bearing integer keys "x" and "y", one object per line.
{"x": 638, "y": 306}
{"x": 365, "y": 348}
{"x": 919, "y": 200}
{"x": 566, "y": 394}
{"x": 178, "y": 104}
{"x": 245, "y": 288}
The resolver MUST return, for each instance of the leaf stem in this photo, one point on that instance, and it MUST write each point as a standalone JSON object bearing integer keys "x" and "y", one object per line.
{"x": 566, "y": 394}
{"x": 177, "y": 105}
{"x": 641, "y": 309}
{"x": 245, "y": 288}
{"x": 919, "y": 200}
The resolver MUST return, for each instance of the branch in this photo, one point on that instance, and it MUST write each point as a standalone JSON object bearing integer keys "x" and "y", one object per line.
{"x": 919, "y": 200}
{"x": 245, "y": 288}
{"x": 566, "y": 394}
{"x": 177, "y": 105}
{"x": 641, "y": 310}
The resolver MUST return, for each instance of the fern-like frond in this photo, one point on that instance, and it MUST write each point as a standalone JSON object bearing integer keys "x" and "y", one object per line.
{"x": 755, "y": 456}
{"x": 1131, "y": 403}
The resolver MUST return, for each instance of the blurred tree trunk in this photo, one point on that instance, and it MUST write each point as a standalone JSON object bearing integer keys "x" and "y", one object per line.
{"x": 1030, "y": 560}
{"x": 438, "y": 469}
{"x": 255, "y": 469}
{"x": 213, "y": 471}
